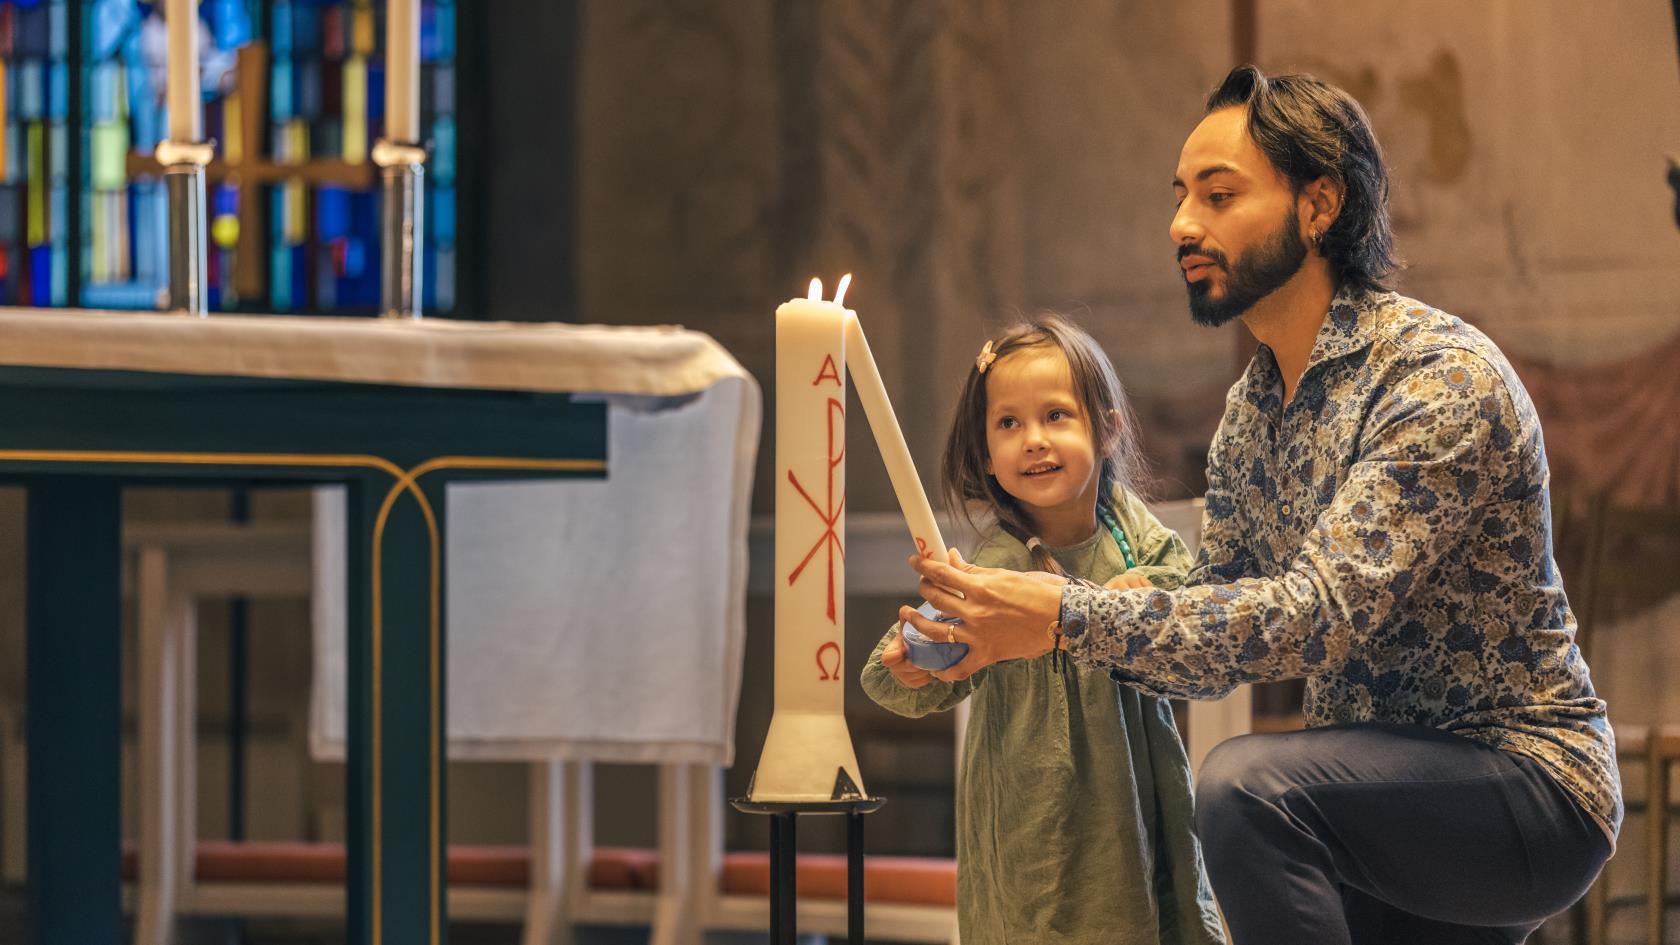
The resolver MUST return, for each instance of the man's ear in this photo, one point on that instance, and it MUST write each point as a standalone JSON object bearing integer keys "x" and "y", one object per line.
{"x": 1321, "y": 204}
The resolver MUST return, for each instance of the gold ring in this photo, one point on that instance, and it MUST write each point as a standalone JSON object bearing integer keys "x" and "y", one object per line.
{"x": 951, "y": 634}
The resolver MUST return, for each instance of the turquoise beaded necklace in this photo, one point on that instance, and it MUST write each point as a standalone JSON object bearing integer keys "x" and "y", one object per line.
{"x": 1108, "y": 518}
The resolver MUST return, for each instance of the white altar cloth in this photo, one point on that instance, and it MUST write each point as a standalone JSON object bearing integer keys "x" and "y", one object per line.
{"x": 586, "y": 619}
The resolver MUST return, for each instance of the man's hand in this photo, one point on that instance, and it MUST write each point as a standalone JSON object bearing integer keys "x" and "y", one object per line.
{"x": 1005, "y": 614}
{"x": 895, "y": 658}
{"x": 1124, "y": 582}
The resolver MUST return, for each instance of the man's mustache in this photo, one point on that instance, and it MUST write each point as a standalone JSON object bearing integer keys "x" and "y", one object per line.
{"x": 1213, "y": 254}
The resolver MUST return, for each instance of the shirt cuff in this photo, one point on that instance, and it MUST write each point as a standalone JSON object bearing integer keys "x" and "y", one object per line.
{"x": 1076, "y": 607}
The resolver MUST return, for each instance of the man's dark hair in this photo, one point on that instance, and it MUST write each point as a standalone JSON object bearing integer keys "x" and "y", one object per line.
{"x": 1309, "y": 129}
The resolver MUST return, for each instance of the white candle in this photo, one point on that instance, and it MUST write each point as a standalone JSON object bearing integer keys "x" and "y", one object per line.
{"x": 185, "y": 107}
{"x": 810, "y": 500}
{"x": 901, "y": 469}
{"x": 808, "y": 753}
{"x": 402, "y": 71}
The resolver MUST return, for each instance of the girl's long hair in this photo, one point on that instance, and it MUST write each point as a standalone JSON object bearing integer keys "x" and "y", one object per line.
{"x": 964, "y": 482}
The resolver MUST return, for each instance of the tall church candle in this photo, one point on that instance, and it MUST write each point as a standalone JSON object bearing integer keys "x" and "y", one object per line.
{"x": 810, "y": 500}
{"x": 808, "y": 754}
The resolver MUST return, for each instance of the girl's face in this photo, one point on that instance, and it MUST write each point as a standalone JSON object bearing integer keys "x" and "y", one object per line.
{"x": 1039, "y": 442}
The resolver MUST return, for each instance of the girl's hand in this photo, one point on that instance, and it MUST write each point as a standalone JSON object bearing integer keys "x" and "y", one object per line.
{"x": 1005, "y": 614}
{"x": 1122, "y": 582}
{"x": 896, "y": 659}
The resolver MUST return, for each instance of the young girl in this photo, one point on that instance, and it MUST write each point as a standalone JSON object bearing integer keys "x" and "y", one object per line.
{"x": 1074, "y": 801}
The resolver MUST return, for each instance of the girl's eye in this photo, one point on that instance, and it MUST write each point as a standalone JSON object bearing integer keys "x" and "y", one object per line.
{"x": 1006, "y": 423}
{"x": 1059, "y": 414}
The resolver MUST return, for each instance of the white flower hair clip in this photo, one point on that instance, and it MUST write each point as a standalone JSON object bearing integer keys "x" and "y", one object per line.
{"x": 985, "y": 359}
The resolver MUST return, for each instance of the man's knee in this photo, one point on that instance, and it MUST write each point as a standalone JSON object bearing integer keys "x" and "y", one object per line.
{"x": 1239, "y": 784}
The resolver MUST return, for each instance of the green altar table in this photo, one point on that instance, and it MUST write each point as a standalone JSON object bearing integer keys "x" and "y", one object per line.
{"x": 394, "y": 411}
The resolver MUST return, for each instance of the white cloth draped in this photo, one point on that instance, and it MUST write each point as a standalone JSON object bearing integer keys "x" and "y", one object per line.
{"x": 598, "y": 619}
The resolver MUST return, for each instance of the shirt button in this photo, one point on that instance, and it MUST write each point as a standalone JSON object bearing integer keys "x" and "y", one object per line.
{"x": 1286, "y": 510}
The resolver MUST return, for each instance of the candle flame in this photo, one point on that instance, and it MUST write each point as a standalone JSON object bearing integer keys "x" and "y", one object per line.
{"x": 815, "y": 294}
{"x": 840, "y": 293}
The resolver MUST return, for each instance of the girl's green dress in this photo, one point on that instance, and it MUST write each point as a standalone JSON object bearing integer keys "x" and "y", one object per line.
{"x": 1074, "y": 814}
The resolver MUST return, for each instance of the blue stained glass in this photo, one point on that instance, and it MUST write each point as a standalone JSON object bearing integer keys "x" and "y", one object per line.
{"x": 441, "y": 214}
{"x": 14, "y": 152}
{"x": 58, "y": 91}
{"x": 225, "y": 200}
{"x": 280, "y": 278}
{"x": 120, "y": 49}
{"x": 443, "y": 89}
{"x": 58, "y": 29}
{"x": 151, "y": 214}
{"x": 308, "y": 77}
{"x": 446, "y": 30}
{"x": 59, "y": 263}
{"x": 40, "y": 275}
{"x": 430, "y": 48}
{"x": 280, "y": 90}
{"x": 32, "y": 89}
{"x": 110, "y": 23}
{"x": 58, "y": 213}
{"x": 229, "y": 22}
{"x": 326, "y": 280}
{"x": 443, "y": 149}
{"x": 355, "y": 257}
{"x": 280, "y": 36}
{"x": 30, "y": 31}
{"x": 102, "y": 88}
{"x": 375, "y": 91}
{"x": 58, "y": 155}
{"x": 11, "y": 215}
{"x": 332, "y": 212}
{"x": 306, "y": 28}
{"x": 299, "y": 256}
{"x": 120, "y": 295}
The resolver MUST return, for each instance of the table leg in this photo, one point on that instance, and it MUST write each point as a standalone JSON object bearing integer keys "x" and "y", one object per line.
{"x": 75, "y": 679}
{"x": 396, "y": 733}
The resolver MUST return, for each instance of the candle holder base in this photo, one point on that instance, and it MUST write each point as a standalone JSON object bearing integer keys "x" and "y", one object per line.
{"x": 401, "y": 227}
{"x": 784, "y": 898}
{"x": 183, "y": 178}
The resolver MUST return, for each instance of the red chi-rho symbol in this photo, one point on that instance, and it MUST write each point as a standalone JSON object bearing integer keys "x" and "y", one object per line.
{"x": 829, "y": 512}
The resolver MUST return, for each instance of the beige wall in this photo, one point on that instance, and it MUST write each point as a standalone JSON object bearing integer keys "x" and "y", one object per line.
{"x": 1528, "y": 139}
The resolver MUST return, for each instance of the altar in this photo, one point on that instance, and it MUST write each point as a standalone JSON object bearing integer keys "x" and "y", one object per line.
{"x": 393, "y": 411}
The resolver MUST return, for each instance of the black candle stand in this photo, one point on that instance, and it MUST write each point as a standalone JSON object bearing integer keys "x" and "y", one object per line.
{"x": 784, "y": 919}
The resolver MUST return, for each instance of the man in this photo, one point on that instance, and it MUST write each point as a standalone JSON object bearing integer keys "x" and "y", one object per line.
{"x": 1377, "y": 522}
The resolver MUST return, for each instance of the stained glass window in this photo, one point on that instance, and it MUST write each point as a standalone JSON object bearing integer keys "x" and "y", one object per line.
{"x": 293, "y": 93}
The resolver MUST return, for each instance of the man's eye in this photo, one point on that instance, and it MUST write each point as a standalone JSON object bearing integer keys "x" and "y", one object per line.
{"x": 1219, "y": 198}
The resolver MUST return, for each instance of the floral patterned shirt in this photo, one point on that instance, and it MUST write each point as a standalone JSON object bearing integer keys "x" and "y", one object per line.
{"x": 1386, "y": 535}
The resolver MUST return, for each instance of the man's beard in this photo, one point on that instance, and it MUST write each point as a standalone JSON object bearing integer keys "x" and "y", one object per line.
{"x": 1257, "y": 274}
